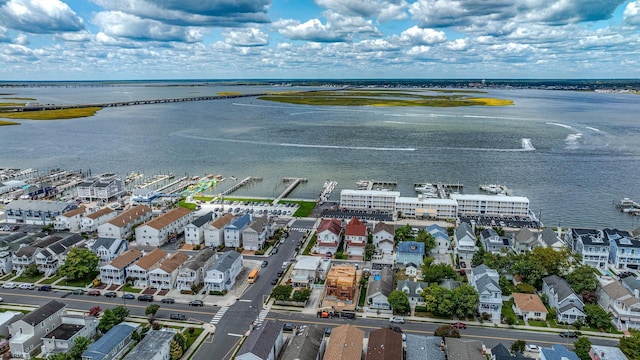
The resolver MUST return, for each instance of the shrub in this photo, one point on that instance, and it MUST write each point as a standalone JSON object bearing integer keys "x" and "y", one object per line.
{"x": 218, "y": 293}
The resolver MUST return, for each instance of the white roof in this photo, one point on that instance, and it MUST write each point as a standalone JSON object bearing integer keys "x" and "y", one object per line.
{"x": 307, "y": 263}
{"x": 431, "y": 201}
{"x": 370, "y": 192}
{"x": 483, "y": 197}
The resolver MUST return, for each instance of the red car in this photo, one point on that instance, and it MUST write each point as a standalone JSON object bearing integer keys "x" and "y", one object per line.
{"x": 93, "y": 292}
{"x": 459, "y": 325}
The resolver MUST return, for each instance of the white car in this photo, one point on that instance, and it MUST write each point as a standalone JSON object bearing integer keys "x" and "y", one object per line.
{"x": 532, "y": 348}
{"x": 26, "y": 286}
{"x": 9, "y": 285}
{"x": 397, "y": 319}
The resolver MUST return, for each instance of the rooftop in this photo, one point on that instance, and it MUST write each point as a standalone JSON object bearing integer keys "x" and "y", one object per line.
{"x": 64, "y": 331}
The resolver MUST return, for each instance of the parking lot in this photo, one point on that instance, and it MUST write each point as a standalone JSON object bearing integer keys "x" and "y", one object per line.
{"x": 264, "y": 208}
{"x": 502, "y": 221}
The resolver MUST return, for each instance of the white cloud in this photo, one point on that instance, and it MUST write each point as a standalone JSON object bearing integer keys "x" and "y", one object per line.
{"x": 247, "y": 37}
{"x": 383, "y": 10}
{"x": 39, "y": 16}
{"x": 312, "y": 30}
{"x": 75, "y": 36}
{"x": 631, "y": 13}
{"x": 418, "y": 36}
{"x": 458, "y": 44}
{"x": 122, "y": 25}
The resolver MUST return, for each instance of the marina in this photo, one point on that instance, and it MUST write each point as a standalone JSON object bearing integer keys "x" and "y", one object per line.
{"x": 628, "y": 206}
{"x": 375, "y": 185}
{"x": 437, "y": 190}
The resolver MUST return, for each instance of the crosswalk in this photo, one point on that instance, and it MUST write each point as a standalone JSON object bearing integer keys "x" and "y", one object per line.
{"x": 261, "y": 317}
{"x": 219, "y": 315}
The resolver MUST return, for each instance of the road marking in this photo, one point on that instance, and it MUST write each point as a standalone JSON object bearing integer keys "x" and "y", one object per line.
{"x": 218, "y": 316}
{"x": 261, "y": 316}
{"x": 244, "y": 300}
{"x": 232, "y": 334}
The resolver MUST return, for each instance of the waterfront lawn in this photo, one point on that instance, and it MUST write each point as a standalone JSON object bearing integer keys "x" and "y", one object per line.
{"x": 52, "y": 114}
{"x": 305, "y": 207}
{"x": 188, "y": 205}
{"x": 51, "y": 280}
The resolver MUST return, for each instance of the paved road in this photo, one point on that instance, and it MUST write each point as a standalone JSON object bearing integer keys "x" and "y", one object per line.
{"x": 237, "y": 319}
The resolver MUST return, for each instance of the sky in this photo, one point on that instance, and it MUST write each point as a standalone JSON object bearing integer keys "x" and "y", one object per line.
{"x": 319, "y": 39}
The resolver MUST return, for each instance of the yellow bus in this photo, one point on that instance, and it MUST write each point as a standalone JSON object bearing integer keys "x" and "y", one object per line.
{"x": 253, "y": 275}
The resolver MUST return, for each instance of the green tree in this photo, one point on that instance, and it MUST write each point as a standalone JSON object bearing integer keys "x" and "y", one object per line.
{"x": 181, "y": 340}
{"x": 403, "y": 233}
{"x": 582, "y": 347}
{"x": 630, "y": 345}
{"x": 506, "y": 286}
{"x": 428, "y": 240}
{"x": 597, "y": 317}
{"x": 301, "y": 295}
{"x": 434, "y": 273}
{"x": 478, "y": 257}
{"x": 582, "y": 279}
{"x": 530, "y": 271}
{"x": 399, "y": 301}
{"x": 518, "y": 346}
{"x": 175, "y": 352}
{"x": 554, "y": 261}
{"x": 447, "y": 331}
{"x": 369, "y": 250}
{"x": 31, "y": 270}
{"x": 79, "y": 264}
{"x": 438, "y": 300}
{"x": 112, "y": 317}
{"x": 151, "y": 309}
{"x": 282, "y": 292}
{"x": 465, "y": 300}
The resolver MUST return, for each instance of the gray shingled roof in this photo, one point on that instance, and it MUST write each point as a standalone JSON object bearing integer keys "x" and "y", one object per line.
{"x": 259, "y": 224}
{"x": 149, "y": 345}
{"x": 384, "y": 285}
{"x": 224, "y": 262}
{"x": 40, "y": 205}
{"x": 424, "y": 347}
{"x": 462, "y": 230}
{"x": 99, "y": 349}
{"x": 200, "y": 260}
{"x": 38, "y": 315}
{"x": 304, "y": 346}
{"x": 549, "y": 236}
{"x": 202, "y": 220}
{"x": 460, "y": 349}
{"x": 262, "y": 340}
{"x": 559, "y": 285}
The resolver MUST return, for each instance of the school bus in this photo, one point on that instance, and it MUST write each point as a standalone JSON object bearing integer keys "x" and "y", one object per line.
{"x": 253, "y": 275}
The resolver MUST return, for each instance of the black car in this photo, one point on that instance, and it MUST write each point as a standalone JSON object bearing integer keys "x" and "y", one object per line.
{"x": 178, "y": 317}
{"x": 196, "y": 303}
{"x": 288, "y": 327}
{"x": 569, "y": 334}
{"x": 280, "y": 272}
{"x": 145, "y": 298}
{"x": 128, "y": 296}
{"x": 110, "y": 294}
{"x": 265, "y": 263}
{"x": 168, "y": 301}
{"x": 44, "y": 288}
{"x": 274, "y": 281}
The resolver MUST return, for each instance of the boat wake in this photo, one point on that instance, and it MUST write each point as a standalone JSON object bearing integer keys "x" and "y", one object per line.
{"x": 561, "y": 125}
{"x": 526, "y": 146}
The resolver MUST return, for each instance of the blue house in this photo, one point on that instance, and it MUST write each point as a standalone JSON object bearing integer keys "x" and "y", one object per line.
{"x": 111, "y": 345}
{"x": 557, "y": 352}
{"x": 233, "y": 230}
{"x": 410, "y": 252}
{"x": 443, "y": 242}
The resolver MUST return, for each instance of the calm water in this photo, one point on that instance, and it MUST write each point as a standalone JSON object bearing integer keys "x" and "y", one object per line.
{"x": 586, "y": 146}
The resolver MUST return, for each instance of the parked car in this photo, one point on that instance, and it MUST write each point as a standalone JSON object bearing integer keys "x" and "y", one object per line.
{"x": 274, "y": 281}
{"x": 265, "y": 263}
{"x": 110, "y": 294}
{"x": 77, "y": 292}
{"x": 279, "y": 274}
{"x": 274, "y": 251}
{"x": 94, "y": 293}
{"x": 168, "y": 301}
{"x": 288, "y": 327}
{"x": 178, "y": 317}
{"x": 397, "y": 319}
{"x": 532, "y": 348}
{"x": 26, "y": 286}
{"x": 569, "y": 334}
{"x": 128, "y": 296}
{"x": 1, "y": 299}
{"x": 145, "y": 297}
{"x": 44, "y": 288}
{"x": 459, "y": 325}
{"x": 9, "y": 285}
{"x": 196, "y": 303}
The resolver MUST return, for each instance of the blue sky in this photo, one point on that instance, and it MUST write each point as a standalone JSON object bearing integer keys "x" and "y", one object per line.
{"x": 280, "y": 39}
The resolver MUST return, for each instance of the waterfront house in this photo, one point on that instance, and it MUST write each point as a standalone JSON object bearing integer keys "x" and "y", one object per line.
{"x": 465, "y": 242}
{"x": 345, "y": 343}
{"x": 192, "y": 272}
{"x": 383, "y": 237}
{"x": 214, "y": 230}
{"x": 568, "y": 304}
{"x": 549, "y": 238}
{"x": 115, "y": 272}
{"x": 138, "y": 273}
{"x": 158, "y": 231}
{"x": 425, "y": 207}
{"x": 263, "y": 343}
{"x": 305, "y": 271}
{"x": 380, "y": 286}
{"x": 255, "y": 236}
{"x": 121, "y": 226}
{"x": 624, "y": 307}
{"x": 36, "y": 212}
{"x": 424, "y": 347}
{"x": 164, "y": 276}
{"x": 70, "y": 220}
{"x": 113, "y": 344}
{"x": 62, "y": 338}
{"x": 529, "y": 306}
{"x": 90, "y": 222}
{"x": 491, "y": 205}
{"x": 156, "y": 345}
{"x": 355, "y": 238}
{"x": 589, "y": 243}
{"x": 223, "y": 272}
{"x": 624, "y": 251}
{"x": 385, "y": 344}
{"x": 443, "y": 242}
{"x": 194, "y": 231}
{"x": 557, "y": 352}
{"x": 103, "y": 187}
{"x": 494, "y": 243}
{"x": 524, "y": 240}
{"x": 369, "y": 200}
{"x": 108, "y": 249}
{"x": 27, "y": 333}
{"x": 486, "y": 282}
{"x": 413, "y": 289}
{"x": 233, "y": 231}
{"x": 409, "y": 252}
{"x": 328, "y": 236}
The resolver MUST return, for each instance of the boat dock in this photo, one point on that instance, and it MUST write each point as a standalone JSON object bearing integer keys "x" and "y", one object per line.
{"x": 293, "y": 183}
{"x": 154, "y": 180}
{"x": 628, "y": 206}
{"x": 375, "y": 184}
{"x": 439, "y": 190}
{"x": 327, "y": 189}
{"x": 175, "y": 185}
{"x": 245, "y": 181}
{"x": 496, "y": 189}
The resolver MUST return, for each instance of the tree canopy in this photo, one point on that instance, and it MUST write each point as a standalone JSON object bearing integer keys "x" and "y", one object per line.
{"x": 597, "y": 317}
{"x": 79, "y": 264}
{"x": 582, "y": 347}
{"x": 112, "y": 317}
{"x": 518, "y": 346}
{"x": 399, "y": 302}
{"x": 630, "y": 345}
{"x": 465, "y": 300}
{"x": 582, "y": 279}
{"x": 434, "y": 273}
{"x": 282, "y": 292}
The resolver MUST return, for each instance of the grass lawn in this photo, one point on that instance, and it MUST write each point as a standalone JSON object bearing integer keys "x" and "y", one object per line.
{"x": 192, "y": 336}
{"x": 307, "y": 249}
{"x": 305, "y": 207}
{"x": 363, "y": 295}
{"x": 81, "y": 282}
{"x": 8, "y": 276}
{"x": 538, "y": 323}
{"x": 28, "y": 279}
{"x": 131, "y": 289}
{"x": 51, "y": 280}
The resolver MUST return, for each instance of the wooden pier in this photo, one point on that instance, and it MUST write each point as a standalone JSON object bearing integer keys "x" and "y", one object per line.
{"x": 172, "y": 184}
{"x": 293, "y": 183}
{"x": 375, "y": 184}
{"x": 155, "y": 180}
{"x": 245, "y": 181}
